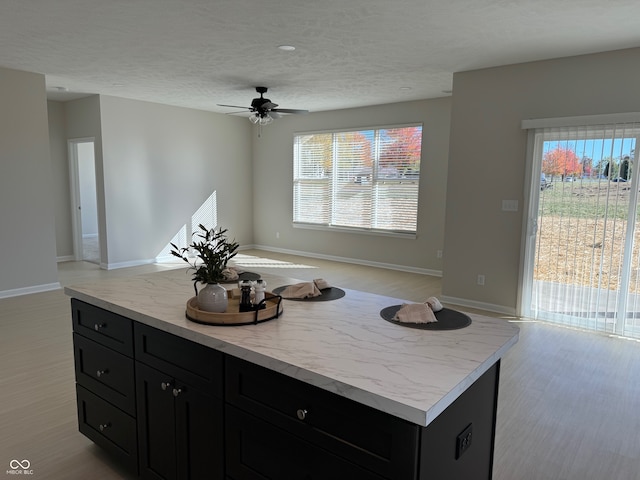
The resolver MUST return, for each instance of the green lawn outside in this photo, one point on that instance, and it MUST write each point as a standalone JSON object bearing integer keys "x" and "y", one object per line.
{"x": 586, "y": 199}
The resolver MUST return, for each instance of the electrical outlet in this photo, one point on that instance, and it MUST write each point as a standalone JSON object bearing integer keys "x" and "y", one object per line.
{"x": 277, "y": 234}
{"x": 439, "y": 253}
{"x": 481, "y": 280}
{"x": 463, "y": 441}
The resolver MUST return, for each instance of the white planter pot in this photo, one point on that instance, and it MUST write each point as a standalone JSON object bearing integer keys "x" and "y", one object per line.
{"x": 213, "y": 298}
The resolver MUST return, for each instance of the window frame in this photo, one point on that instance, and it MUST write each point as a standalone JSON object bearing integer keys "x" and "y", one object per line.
{"x": 375, "y": 179}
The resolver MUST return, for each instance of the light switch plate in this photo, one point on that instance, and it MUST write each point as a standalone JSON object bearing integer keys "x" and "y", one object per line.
{"x": 509, "y": 205}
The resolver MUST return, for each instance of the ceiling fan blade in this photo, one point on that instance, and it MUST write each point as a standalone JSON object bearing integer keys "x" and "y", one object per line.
{"x": 268, "y": 105}
{"x": 237, "y": 112}
{"x": 274, "y": 114}
{"x": 233, "y": 106}
{"x": 289, "y": 110}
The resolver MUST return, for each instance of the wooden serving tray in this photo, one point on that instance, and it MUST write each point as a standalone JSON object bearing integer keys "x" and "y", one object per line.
{"x": 233, "y": 315}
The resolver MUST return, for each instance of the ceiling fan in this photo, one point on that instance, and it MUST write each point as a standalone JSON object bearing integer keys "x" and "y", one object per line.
{"x": 264, "y": 111}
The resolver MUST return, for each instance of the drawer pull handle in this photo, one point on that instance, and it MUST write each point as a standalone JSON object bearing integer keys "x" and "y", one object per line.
{"x": 165, "y": 385}
{"x": 99, "y": 373}
{"x": 98, "y": 326}
{"x": 301, "y": 413}
{"x": 177, "y": 391}
{"x": 104, "y": 426}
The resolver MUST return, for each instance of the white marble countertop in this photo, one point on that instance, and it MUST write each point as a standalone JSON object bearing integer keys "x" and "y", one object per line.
{"x": 342, "y": 346}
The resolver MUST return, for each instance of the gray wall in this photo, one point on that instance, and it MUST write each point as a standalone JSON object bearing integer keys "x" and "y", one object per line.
{"x": 60, "y": 180}
{"x": 160, "y": 163}
{"x": 273, "y": 187}
{"x": 155, "y": 165}
{"x": 487, "y": 158}
{"x": 28, "y": 235}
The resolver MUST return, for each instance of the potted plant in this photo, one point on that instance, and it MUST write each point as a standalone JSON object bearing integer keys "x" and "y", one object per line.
{"x": 213, "y": 251}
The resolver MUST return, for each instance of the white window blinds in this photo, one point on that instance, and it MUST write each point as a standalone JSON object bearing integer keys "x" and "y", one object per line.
{"x": 363, "y": 179}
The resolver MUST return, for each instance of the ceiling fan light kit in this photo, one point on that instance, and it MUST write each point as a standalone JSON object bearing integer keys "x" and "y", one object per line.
{"x": 264, "y": 119}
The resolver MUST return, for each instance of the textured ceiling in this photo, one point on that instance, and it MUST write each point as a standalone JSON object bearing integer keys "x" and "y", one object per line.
{"x": 349, "y": 53}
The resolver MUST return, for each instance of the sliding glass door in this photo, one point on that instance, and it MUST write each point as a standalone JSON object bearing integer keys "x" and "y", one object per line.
{"x": 583, "y": 263}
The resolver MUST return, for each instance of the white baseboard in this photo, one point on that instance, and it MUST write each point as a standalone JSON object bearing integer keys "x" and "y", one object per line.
{"x": 132, "y": 263}
{"x": 65, "y": 258}
{"x": 166, "y": 259}
{"x": 355, "y": 261}
{"x": 27, "y": 290}
{"x": 489, "y": 307}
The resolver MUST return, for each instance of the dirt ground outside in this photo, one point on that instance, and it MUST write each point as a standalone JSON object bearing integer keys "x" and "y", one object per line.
{"x": 581, "y": 235}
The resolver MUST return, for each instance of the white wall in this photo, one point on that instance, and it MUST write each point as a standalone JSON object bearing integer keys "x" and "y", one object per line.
{"x": 160, "y": 163}
{"x": 273, "y": 187}
{"x": 27, "y": 236}
{"x": 487, "y": 158}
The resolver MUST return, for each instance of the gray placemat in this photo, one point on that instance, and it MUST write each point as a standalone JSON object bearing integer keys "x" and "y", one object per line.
{"x": 331, "y": 293}
{"x": 447, "y": 319}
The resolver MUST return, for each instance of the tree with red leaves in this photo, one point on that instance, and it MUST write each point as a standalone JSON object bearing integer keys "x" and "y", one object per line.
{"x": 561, "y": 161}
{"x": 401, "y": 149}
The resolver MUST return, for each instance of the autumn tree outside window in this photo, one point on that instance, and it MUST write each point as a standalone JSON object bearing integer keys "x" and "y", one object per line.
{"x": 563, "y": 162}
{"x": 366, "y": 180}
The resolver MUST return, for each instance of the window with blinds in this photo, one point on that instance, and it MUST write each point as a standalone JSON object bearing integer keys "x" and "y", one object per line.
{"x": 362, "y": 179}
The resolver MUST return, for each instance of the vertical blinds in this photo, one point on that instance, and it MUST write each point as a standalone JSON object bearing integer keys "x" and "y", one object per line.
{"x": 587, "y": 256}
{"x": 363, "y": 179}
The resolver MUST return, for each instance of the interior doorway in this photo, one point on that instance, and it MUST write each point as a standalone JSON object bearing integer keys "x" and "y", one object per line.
{"x": 86, "y": 237}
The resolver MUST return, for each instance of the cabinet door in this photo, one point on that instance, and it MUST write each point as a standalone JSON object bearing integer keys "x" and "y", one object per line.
{"x": 199, "y": 434}
{"x": 257, "y": 450}
{"x": 156, "y": 424}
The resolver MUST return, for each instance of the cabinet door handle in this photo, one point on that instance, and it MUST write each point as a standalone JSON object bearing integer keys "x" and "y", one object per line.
{"x": 98, "y": 326}
{"x": 99, "y": 373}
{"x": 104, "y": 426}
{"x": 165, "y": 385}
{"x": 177, "y": 391}
{"x": 301, "y": 413}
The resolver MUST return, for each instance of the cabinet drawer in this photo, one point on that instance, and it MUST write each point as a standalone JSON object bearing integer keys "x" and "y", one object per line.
{"x": 107, "y": 373}
{"x": 102, "y": 326}
{"x": 194, "y": 364}
{"x": 368, "y": 437}
{"x": 108, "y": 427}
{"x": 257, "y": 450}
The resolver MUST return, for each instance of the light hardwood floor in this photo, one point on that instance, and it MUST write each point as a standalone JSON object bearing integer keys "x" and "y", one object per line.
{"x": 569, "y": 403}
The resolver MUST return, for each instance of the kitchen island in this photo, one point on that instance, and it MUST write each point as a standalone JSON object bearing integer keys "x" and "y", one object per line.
{"x": 327, "y": 390}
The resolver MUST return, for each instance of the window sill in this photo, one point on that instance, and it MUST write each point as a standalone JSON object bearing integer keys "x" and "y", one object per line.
{"x": 361, "y": 231}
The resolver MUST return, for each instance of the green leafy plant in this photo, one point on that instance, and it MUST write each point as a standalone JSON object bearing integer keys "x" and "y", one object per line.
{"x": 214, "y": 251}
